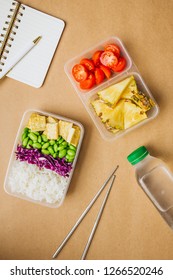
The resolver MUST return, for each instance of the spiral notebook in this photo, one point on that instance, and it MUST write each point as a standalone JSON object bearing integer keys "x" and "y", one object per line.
{"x": 20, "y": 24}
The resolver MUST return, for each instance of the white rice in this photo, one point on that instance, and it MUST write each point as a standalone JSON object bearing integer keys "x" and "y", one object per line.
{"x": 41, "y": 185}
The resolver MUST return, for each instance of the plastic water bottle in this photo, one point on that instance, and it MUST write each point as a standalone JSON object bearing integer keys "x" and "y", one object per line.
{"x": 156, "y": 180}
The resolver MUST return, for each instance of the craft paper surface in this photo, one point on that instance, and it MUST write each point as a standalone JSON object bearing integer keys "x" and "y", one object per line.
{"x": 130, "y": 227}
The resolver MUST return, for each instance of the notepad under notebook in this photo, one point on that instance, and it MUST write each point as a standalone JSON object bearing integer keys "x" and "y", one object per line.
{"x": 20, "y": 24}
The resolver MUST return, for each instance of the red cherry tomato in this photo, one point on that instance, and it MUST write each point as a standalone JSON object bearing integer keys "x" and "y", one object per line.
{"x": 79, "y": 72}
{"x": 89, "y": 82}
{"x": 120, "y": 66}
{"x": 109, "y": 59}
{"x": 106, "y": 71}
{"x": 88, "y": 63}
{"x": 113, "y": 48}
{"x": 99, "y": 75}
{"x": 96, "y": 57}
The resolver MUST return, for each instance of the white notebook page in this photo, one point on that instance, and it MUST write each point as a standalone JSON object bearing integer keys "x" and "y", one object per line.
{"x": 33, "y": 67}
{"x": 5, "y": 7}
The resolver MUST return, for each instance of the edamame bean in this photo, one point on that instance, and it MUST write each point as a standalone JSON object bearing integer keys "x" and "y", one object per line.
{"x": 26, "y": 129}
{"x": 52, "y": 142}
{"x": 60, "y": 141}
{"x": 71, "y": 153}
{"x": 25, "y": 142}
{"x": 37, "y": 145}
{"x": 55, "y": 155}
{"x": 69, "y": 159}
{"x": 36, "y": 133}
{"x": 50, "y": 149}
{"x": 44, "y": 137}
{"x": 72, "y": 147}
{"x": 32, "y": 136}
{"x": 59, "y": 138}
{"x": 62, "y": 153}
{"x": 24, "y": 135}
{"x": 60, "y": 148}
{"x": 30, "y": 143}
{"x": 45, "y": 146}
{"x": 55, "y": 147}
{"x": 45, "y": 152}
{"x": 39, "y": 139}
{"x": 64, "y": 144}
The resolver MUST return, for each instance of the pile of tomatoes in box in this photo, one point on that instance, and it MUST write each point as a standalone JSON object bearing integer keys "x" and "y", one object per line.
{"x": 102, "y": 65}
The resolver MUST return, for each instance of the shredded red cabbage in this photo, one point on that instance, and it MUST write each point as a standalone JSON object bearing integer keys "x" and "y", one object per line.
{"x": 33, "y": 156}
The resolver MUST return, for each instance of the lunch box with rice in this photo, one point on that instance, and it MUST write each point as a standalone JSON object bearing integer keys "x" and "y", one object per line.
{"x": 40, "y": 185}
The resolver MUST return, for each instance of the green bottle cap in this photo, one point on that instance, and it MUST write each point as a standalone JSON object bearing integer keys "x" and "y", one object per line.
{"x": 137, "y": 155}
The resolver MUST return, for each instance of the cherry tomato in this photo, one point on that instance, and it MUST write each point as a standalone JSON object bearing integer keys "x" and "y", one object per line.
{"x": 79, "y": 72}
{"x": 89, "y": 82}
{"x": 106, "y": 71}
{"x": 120, "y": 66}
{"x": 113, "y": 48}
{"x": 96, "y": 57}
{"x": 99, "y": 75}
{"x": 109, "y": 59}
{"x": 88, "y": 63}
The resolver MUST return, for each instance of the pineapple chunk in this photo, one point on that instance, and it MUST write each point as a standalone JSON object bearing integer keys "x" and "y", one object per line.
{"x": 117, "y": 118}
{"x": 139, "y": 98}
{"x": 64, "y": 128}
{"x": 130, "y": 90}
{"x": 113, "y": 117}
{"x": 113, "y": 93}
{"x": 132, "y": 114}
{"x": 102, "y": 110}
{"x": 113, "y": 130}
{"x": 51, "y": 131}
{"x": 37, "y": 122}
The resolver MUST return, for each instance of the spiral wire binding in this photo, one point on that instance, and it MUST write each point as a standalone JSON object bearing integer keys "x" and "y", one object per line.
{"x": 9, "y": 31}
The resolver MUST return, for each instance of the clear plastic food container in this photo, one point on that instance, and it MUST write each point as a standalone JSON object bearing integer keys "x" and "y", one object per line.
{"x": 87, "y": 96}
{"x": 32, "y": 194}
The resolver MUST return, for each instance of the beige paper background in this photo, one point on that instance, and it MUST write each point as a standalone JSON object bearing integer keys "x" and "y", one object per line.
{"x": 130, "y": 227}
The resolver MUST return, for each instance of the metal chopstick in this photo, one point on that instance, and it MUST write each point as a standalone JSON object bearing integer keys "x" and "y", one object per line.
{"x": 83, "y": 215}
{"x": 97, "y": 220}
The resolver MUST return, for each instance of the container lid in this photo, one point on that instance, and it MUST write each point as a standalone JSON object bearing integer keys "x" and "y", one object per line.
{"x": 137, "y": 155}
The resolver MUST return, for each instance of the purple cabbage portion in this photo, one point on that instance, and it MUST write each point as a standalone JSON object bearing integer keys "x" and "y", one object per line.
{"x": 33, "y": 156}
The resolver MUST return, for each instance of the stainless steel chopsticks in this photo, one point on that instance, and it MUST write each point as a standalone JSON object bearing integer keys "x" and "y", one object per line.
{"x": 97, "y": 219}
{"x": 83, "y": 214}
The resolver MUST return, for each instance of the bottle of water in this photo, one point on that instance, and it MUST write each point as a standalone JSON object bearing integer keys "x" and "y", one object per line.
{"x": 156, "y": 180}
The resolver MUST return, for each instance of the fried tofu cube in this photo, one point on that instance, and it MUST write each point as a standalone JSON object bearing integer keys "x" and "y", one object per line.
{"x": 37, "y": 122}
{"x": 51, "y": 131}
{"x": 74, "y": 135}
{"x": 70, "y": 134}
{"x": 64, "y": 128}
{"x": 51, "y": 120}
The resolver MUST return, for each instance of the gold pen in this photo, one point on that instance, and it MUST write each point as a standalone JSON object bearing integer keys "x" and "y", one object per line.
{"x": 14, "y": 60}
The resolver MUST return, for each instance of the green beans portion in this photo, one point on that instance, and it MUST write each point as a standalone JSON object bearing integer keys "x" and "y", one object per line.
{"x": 59, "y": 148}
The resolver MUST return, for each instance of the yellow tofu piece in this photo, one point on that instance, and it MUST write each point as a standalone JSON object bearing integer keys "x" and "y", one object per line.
{"x": 51, "y": 131}
{"x": 70, "y": 134}
{"x": 51, "y": 120}
{"x": 37, "y": 122}
{"x": 76, "y": 136}
{"x": 64, "y": 128}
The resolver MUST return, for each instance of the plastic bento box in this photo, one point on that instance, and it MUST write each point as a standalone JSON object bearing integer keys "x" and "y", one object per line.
{"x": 87, "y": 96}
{"x": 38, "y": 182}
